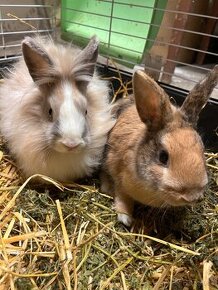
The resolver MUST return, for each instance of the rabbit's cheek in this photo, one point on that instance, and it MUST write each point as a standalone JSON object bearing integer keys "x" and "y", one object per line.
{"x": 173, "y": 201}
{"x": 86, "y": 135}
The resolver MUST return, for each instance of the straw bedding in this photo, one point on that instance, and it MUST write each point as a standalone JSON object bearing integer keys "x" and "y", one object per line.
{"x": 67, "y": 237}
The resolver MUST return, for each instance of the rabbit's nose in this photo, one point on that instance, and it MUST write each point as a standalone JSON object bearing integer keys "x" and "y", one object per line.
{"x": 71, "y": 145}
{"x": 192, "y": 198}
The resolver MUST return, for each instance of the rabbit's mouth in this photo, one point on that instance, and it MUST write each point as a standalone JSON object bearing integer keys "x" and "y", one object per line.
{"x": 177, "y": 199}
{"x": 70, "y": 146}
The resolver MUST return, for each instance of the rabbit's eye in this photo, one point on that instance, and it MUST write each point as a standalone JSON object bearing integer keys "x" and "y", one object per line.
{"x": 163, "y": 157}
{"x": 86, "y": 112}
{"x": 50, "y": 113}
{"x": 82, "y": 86}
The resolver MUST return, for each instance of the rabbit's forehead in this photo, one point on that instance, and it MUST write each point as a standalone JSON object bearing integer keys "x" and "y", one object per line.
{"x": 71, "y": 112}
{"x": 182, "y": 138}
{"x": 67, "y": 93}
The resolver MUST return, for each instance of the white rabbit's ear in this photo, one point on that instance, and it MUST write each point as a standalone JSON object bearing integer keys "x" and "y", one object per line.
{"x": 88, "y": 56}
{"x": 152, "y": 102}
{"x": 37, "y": 60}
{"x": 199, "y": 95}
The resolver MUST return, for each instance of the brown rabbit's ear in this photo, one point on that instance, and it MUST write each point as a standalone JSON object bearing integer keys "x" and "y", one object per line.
{"x": 199, "y": 95}
{"x": 88, "y": 56}
{"x": 37, "y": 60}
{"x": 152, "y": 102}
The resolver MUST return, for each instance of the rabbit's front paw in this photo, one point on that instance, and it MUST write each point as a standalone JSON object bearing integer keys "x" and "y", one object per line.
{"x": 125, "y": 219}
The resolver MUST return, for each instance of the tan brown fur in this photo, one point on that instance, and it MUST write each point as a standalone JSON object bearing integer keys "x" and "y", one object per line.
{"x": 133, "y": 170}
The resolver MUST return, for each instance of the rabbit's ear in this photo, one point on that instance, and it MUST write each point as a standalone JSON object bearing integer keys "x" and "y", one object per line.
{"x": 152, "y": 102}
{"x": 198, "y": 96}
{"x": 37, "y": 60}
{"x": 88, "y": 56}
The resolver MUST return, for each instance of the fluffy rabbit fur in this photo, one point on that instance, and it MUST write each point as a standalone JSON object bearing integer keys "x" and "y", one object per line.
{"x": 154, "y": 156}
{"x": 55, "y": 112}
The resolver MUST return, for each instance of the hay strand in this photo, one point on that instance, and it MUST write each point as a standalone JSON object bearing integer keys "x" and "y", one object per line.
{"x": 207, "y": 265}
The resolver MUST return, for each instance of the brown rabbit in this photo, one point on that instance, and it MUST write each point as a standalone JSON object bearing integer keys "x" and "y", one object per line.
{"x": 154, "y": 156}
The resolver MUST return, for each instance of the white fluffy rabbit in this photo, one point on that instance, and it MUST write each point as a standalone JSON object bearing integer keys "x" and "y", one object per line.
{"x": 55, "y": 111}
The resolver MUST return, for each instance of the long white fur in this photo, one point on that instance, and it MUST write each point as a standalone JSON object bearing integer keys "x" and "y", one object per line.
{"x": 26, "y": 137}
{"x": 72, "y": 121}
